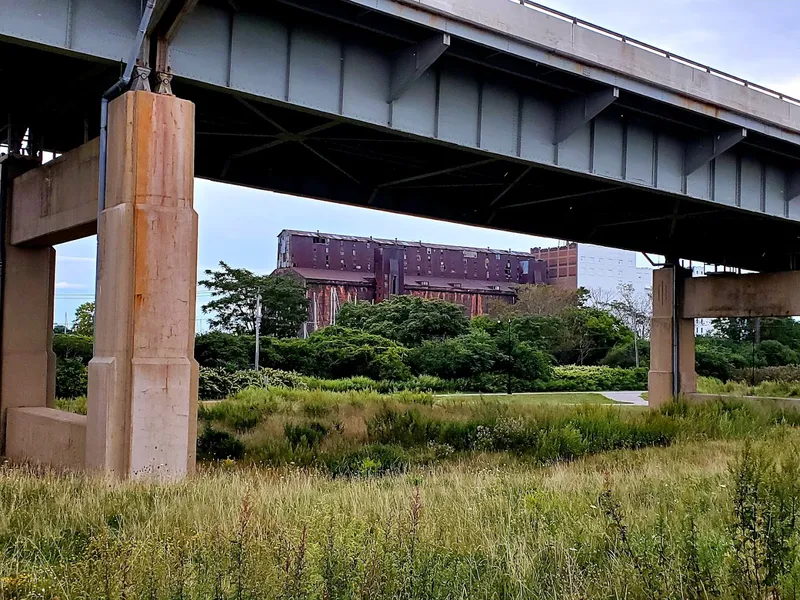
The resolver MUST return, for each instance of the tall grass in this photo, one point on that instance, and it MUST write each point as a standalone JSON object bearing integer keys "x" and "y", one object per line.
{"x": 365, "y": 433}
{"x": 764, "y": 389}
{"x": 713, "y": 519}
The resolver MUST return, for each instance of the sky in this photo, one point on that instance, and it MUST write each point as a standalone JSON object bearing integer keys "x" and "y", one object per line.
{"x": 758, "y": 40}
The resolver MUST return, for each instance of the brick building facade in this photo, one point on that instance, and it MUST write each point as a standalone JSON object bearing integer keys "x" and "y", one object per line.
{"x": 340, "y": 268}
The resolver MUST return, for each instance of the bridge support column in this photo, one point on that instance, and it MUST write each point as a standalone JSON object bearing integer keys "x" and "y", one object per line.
{"x": 28, "y": 362}
{"x": 667, "y": 292}
{"x": 142, "y": 406}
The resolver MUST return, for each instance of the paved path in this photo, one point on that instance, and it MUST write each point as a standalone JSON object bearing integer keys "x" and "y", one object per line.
{"x": 634, "y": 398}
{"x": 631, "y": 398}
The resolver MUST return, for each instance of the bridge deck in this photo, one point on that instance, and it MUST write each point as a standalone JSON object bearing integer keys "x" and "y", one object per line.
{"x": 524, "y": 121}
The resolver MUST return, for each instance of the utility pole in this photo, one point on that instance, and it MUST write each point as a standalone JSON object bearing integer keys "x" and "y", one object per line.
{"x": 510, "y": 359}
{"x": 258, "y": 329}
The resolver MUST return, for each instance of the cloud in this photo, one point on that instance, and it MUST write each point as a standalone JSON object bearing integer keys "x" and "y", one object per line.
{"x": 65, "y": 285}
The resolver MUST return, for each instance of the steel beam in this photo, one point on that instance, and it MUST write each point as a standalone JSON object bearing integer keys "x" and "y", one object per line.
{"x": 168, "y": 16}
{"x": 412, "y": 63}
{"x": 708, "y": 148}
{"x": 792, "y": 186}
{"x": 580, "y": 110}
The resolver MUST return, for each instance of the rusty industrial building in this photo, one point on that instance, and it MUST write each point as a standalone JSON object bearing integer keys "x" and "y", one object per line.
{"x": 341, "y": 268}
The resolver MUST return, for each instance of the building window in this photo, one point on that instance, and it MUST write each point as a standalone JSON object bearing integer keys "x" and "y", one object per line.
{"x": 319, "y": 240}
{"x": 456, "y": 285}
{"x": 424, "y": 283}
{"x": 496, "y": 288}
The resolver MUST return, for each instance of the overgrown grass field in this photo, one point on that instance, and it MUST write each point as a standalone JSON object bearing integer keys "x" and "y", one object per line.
{"x": 699, "y": 519}
{"x": 361, "y": 495}
{"x": 568, "y": 398}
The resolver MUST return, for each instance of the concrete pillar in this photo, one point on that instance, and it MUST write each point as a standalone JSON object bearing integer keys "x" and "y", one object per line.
{"x": 660, "y": 378}
{"x": 142, "y": 408}
{"x": 27, "y": 362}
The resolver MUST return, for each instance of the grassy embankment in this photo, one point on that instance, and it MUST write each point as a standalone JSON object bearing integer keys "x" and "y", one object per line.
{"x": 698, "y": 519}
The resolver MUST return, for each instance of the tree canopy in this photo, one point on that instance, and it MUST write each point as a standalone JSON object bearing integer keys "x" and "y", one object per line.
{"x": 84, "y": 320}
{"x": 538, "y": 300}
{"x": 235, "y": 293}
{"x": 408, "y": 320}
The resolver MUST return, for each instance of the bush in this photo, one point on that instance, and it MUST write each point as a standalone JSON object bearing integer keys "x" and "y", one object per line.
{"x": 596, "y": 379}
{"x": 73, "y": 405}
{"x": 407, "y": 320}
{"x": 624, "y": 355}
{"x": 776, "y": 354}
{"x": 72, "y": 378}
{"x": 224, "y": 350}
{"x": 305, "y": 435}
{"x": 788, "y": 373}
{"x": 218, "y": 445}
{"x": 216, "y": 384}
{"x": 461, "y": 357}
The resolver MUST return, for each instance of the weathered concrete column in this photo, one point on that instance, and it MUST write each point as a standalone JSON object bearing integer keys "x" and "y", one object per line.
{"x": 660, "y": 378}
{"x": 142, "y": 405}
{"x": 28, "y": 362}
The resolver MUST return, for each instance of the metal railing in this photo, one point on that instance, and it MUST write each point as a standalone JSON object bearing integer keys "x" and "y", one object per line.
{"x": 664, "y": 53}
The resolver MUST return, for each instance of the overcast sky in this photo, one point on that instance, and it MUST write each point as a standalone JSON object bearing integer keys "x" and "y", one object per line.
{"x": 758, "y": 40}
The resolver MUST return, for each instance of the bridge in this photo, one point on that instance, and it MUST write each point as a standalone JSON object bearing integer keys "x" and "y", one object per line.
{"x": 496, "y": 113}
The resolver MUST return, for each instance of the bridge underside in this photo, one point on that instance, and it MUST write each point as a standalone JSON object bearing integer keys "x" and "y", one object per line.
{"x": 275, "y": 146}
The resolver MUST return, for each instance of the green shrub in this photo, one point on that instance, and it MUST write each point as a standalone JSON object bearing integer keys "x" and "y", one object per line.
{"x": 72, "y": 378}
{"x": 213, "y": 444}
{"x": 73, "y": 405}
{"x": 788, "y": 373}
{"x": 305, "y": 435}
{"x": 224, "y": 350}
{"x": 245, "y": 410}
{"x": 408, "y": 320}
{"x": 371, "y": 460}
{"x": 596, "y": 379}
{"x": 461, "y": 357}
{"x": 219, "y": 383}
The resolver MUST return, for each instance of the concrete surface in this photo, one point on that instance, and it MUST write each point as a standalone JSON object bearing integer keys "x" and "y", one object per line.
{"x": 26, "y": 352}
{"x": 632, "y": 398}
{"x": 142, "y": 403}
{"x": 749, "y": 295}
{"x": 46, "y": 436}
{"x": 660, "y": 376}
{"x": 57, "y": 202}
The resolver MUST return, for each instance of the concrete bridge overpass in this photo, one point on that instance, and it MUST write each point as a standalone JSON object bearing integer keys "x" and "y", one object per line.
{"x": 488, "y": 112}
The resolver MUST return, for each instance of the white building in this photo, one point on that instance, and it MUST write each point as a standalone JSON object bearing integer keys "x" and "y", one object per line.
{"x": 598, "y": 269}
{"x": 603, "y": 270}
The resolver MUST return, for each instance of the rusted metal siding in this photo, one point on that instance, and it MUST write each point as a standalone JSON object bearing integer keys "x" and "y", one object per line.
{"x": 474, "y": 303}
{"x": 349, "y": 253}
{"x": 326, "y": 299}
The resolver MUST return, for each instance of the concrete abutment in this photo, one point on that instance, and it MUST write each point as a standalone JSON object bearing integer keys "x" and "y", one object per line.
{"x": 142, "y": 402}
{"x": 678, "y": 299}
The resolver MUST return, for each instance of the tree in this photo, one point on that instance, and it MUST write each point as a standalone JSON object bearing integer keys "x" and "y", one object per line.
{"x": 84, "y": 320}
{"x": 634, "y": 310}
{"x": 408, "y": 320}
{"x": 589, "y": 333}
{"x": 464, "y": 356}
{"x": 538, "y": 300}
{"x": 235, "y": 293}
{"x": 737, "y": 330}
